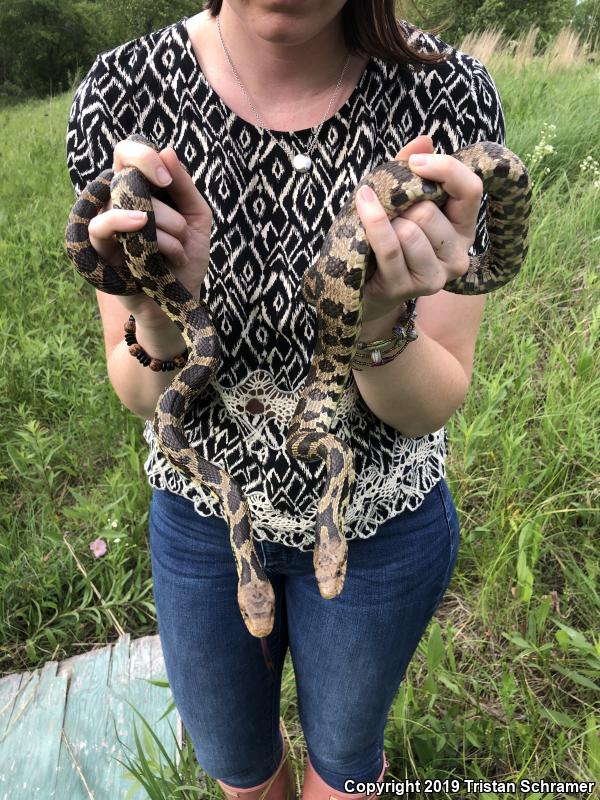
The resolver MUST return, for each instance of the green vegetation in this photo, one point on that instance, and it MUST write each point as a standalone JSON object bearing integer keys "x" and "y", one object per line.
{"x": 48, "y": 45}
{"x": 510, "y": 16}
{"x": 505, "y": 684}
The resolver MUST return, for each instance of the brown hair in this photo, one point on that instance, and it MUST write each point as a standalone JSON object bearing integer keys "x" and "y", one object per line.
{"x": 371, "y": 29}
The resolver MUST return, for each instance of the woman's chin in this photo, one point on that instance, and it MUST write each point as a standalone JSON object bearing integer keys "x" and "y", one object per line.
{"x": 289, "y": 22}
{"x": 284, "y": 29}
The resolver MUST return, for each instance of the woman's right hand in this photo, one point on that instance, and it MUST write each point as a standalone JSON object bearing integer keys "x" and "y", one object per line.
{"x": 183, "y": 235}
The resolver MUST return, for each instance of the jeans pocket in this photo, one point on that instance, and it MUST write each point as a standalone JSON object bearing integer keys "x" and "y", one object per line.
{"x": 177, "y": 530}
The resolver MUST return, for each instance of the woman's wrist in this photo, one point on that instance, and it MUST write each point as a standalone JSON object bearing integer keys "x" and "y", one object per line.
{"x": 160, "y": 338}
{"x": 384, "y": 344}
{"x": 381, "y": 327}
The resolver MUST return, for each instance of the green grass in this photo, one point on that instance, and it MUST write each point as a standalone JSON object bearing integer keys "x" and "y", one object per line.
{"x": 505, "y": 683}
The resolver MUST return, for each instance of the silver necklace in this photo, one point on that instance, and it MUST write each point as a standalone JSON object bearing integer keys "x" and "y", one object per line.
{"x": 300, "y": 161}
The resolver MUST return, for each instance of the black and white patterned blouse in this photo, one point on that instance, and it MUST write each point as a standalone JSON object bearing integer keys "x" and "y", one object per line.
{"x": 269, "y": 223}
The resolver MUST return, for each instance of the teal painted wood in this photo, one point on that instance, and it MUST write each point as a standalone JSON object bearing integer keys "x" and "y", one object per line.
{"x": 146, "y": 662}
{"x": 84, "y": 747}
{"x": 60, "y": 726}
{"x": 29, "y": 752}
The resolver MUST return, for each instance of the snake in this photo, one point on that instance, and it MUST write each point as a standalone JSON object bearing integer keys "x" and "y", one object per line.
{"x": 333, "y": 285}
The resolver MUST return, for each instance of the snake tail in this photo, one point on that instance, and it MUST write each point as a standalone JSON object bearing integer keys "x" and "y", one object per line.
{"x": 506, "y": 181}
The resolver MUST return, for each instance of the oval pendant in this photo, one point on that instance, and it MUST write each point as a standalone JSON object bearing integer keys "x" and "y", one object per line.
{"x": 301, "y": 163}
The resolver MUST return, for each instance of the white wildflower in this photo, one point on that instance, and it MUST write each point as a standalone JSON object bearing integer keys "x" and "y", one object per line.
{"x": 543, "y": 148}
{"x": 591, "y": 166}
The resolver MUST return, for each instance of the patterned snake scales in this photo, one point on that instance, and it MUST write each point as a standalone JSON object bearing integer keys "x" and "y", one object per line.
{"x": 334, "y": 286}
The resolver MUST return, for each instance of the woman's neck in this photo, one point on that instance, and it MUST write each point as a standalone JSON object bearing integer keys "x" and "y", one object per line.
{"x": 280, "y": 77}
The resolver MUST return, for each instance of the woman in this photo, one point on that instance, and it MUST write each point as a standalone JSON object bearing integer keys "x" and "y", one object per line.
{"x": 267, "y": 113}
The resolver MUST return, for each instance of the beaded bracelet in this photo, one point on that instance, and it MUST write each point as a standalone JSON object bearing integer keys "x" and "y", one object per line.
{"x": 155, "y": 364}
{"x": 404, "y": 333}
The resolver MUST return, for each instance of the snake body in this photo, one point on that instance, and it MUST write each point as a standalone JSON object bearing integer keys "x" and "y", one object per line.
{"x": 334, "y": 286}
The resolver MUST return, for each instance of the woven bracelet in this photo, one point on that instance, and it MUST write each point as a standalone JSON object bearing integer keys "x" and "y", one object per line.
{"x": 381, "y": 351}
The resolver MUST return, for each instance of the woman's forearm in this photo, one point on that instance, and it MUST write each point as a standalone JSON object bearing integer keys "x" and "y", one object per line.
{"x": 138, "y": 387}
{"x": 419, "y": 390}
{"x": 416, "y": 393}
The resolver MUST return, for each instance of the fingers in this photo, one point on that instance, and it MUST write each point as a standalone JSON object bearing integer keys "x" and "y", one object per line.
{"x": 380, "y": 233}
{"x": 172, "y": 229}
{"x": 164, "y": 169}
{"x": 391, "y": 267}
{"x": 427, "y": 268}
{"x": 147, "y": 160}
{"x": 424, "y": 223}
{"x": 465, "y": 189}
{"x": 171, "y": 247}
{"x": 102, "y": 229}
{"x": 408, "y": 261}
{"x": 421, "y": 144}
{"x": 183, "y": 190}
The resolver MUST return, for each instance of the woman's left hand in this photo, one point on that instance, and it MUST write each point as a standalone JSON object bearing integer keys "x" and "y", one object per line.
{"x": 425, "y": 247}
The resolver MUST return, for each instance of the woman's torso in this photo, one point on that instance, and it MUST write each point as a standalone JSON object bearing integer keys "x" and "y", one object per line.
{"x": 269, "y": 223}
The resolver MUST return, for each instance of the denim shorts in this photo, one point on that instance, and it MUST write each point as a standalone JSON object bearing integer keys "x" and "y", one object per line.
{"x": 349, "y": 653}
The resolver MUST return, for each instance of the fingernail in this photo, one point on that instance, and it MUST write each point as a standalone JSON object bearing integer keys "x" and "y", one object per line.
{"x": 137, "y": 215}
{"x": 419, "y": 161}
{"x": 163, "y": 175}
{"x": 367, "y": 194}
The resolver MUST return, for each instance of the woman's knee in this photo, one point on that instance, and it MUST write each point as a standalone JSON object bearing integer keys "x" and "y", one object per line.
{"x": 343, "y": 755}
{"x": 238, "y": 760}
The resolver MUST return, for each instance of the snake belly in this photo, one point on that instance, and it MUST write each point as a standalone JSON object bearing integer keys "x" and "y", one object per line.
{"x": 145, "y": 269}
{"x": 334, "y": 285}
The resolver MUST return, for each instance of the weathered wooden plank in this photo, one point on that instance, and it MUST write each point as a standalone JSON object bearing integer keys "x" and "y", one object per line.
{"x": 9, "y": 689}
{"x": 118, "y": 731}
{"x": 146, "y": 663}
{"x": 12, "y": 691}
{"x": 59, "y": 726}
{"x": 31, "y": 742}
{"x": 83, "y": 745}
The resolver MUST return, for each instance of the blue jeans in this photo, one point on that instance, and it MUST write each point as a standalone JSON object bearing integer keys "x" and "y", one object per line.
{"x": 349, "y": 654}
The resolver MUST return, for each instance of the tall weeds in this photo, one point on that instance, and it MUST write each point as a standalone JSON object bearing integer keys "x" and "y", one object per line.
{"x": 566, "y": 51}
